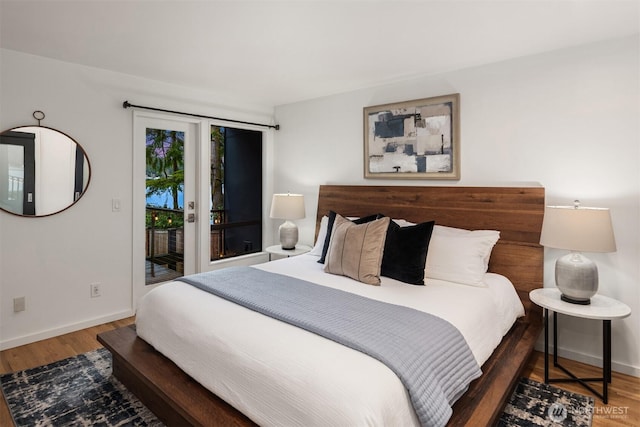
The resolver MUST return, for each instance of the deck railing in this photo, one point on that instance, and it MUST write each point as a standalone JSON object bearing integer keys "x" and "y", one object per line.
{"x": 165, "y": 238}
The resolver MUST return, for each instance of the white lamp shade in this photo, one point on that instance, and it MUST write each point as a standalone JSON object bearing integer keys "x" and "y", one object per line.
{"x": 578, "y": 229}
{"x": 287, "y": 206}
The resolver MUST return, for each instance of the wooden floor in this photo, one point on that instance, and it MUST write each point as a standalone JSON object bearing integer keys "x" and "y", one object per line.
{"x": 624, "y": 393}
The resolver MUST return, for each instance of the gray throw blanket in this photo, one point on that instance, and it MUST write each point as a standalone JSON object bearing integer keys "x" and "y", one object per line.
{"x": 427, "y": 353}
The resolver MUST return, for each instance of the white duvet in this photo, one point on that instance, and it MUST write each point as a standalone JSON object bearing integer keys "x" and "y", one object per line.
{"x": 280, "y": 375}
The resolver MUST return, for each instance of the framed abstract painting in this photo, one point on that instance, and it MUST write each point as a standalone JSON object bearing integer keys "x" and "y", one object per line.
{"x": 417, "y": 139}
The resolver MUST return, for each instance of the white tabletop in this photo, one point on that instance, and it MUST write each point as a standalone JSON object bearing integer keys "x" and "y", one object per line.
{"x": 298, "y": 250}
{"x": 601, "y": 307}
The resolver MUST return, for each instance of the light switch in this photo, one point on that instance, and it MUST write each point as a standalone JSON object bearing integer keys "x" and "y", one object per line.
{"x": 19, "y": 304}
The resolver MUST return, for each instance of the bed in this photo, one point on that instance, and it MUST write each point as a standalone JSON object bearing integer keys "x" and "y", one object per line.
{"x": 180, "y": 400}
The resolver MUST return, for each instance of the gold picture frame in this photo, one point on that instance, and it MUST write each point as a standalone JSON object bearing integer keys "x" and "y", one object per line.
{"x": 417, "y": 139}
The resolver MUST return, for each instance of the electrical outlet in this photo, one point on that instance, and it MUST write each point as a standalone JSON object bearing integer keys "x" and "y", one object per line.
{"x": 95, "y": 290}
{"x": 19, "y": 304}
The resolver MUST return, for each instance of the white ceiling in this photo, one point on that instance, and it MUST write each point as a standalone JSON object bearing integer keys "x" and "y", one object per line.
{"x": 279, "y": 52}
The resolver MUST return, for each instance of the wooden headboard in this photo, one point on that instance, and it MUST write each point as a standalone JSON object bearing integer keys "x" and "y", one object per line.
{"x": 516, "y": 212}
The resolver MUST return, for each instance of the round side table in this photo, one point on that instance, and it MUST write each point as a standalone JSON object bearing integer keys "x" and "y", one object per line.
{"x": 601, "y": 308}
{"x": 277, "y": 250}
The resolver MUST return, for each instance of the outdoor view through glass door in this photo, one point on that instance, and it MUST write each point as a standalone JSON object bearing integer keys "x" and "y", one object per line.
{"x": 164, "y": 213}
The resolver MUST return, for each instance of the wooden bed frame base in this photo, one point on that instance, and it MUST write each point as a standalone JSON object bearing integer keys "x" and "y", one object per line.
{"x": 517, "y": 212}
{"x": 178, "y": 400}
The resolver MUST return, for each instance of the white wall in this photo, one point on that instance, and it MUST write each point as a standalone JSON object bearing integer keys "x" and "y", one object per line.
{"x": 567, "y": 119}
{"x": 52, "y": 260}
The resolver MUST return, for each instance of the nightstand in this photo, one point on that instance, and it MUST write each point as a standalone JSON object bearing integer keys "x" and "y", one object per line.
{"x": 601, "y": 308}
{"x": 277, "y": 250}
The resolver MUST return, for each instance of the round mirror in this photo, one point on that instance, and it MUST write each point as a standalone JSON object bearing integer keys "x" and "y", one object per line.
{"x": 42, "y": 171}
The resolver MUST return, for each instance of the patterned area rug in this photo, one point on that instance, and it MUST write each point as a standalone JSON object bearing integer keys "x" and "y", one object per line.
{"x": 536, "y": 404}
{"x": 80, "y": 391}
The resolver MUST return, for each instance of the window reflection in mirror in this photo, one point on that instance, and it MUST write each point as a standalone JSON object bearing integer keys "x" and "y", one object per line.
{"x": 42, "y": 171}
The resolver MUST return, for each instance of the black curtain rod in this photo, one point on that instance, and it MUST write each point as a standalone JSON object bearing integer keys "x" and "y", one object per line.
{"x": 127, "y": 104}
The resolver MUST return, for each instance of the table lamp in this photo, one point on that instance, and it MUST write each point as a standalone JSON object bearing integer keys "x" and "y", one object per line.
{"x": 288, "y": 207}
{"x": 577, "y": 229}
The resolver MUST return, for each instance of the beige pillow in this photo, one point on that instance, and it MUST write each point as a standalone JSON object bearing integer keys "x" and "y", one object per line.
{"x": 356, "y": 249}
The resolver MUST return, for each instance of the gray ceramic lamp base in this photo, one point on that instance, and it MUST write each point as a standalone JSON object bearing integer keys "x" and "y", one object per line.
{"x": 288, "y": 235}
{"x": 577, "y": 278}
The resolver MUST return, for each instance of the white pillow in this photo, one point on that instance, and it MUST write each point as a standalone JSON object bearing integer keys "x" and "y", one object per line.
{"x": 460, "y": 256}
{"x": 322, "y": 234}
{"x": 452, "y": 231}
{"x": 443, "y": 230}
{"x": 403, "y": 222}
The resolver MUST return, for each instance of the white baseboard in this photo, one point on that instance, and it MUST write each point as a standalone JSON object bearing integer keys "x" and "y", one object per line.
{"x": 50, "y": 333}
{"x": 622, "y": 368}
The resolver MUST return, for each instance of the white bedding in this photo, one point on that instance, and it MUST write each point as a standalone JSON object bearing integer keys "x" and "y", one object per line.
{"x": 280, "y": 375}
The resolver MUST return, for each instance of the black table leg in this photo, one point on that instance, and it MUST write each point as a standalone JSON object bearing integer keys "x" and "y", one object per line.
{"x": 606, "y": 346}
{"x": 606, "y": 355}
{"x": 555, "y": 339}
{"x": 546, "y": 346}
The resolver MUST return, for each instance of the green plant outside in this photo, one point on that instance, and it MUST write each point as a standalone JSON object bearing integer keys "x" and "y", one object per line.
{"x": 165, "y": 171}
{"x": 164, "y": 220}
